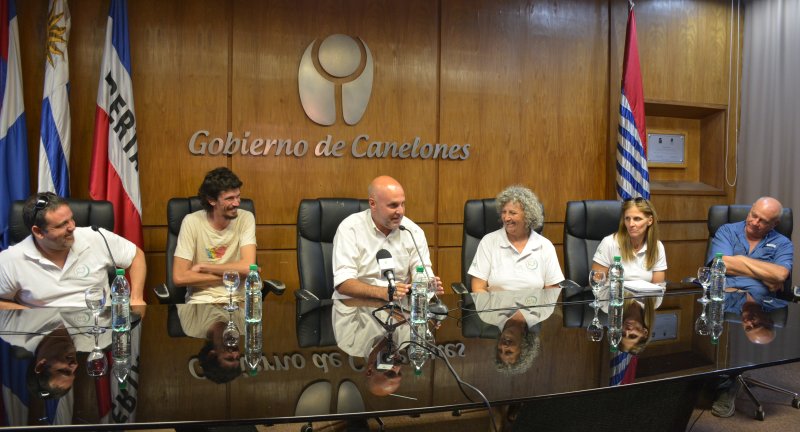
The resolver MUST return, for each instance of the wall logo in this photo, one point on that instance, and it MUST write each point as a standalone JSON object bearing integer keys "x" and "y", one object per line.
{"x": 339, "y": 60}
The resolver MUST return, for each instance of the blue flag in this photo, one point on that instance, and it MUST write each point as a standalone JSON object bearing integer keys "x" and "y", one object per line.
{"x": 14, "y": 177}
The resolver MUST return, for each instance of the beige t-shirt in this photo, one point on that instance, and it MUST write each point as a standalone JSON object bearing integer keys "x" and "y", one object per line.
{"x": 198, "y": 242}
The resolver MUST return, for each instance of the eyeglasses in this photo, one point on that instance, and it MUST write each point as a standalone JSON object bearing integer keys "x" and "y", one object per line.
{"x": 41, "y": 203}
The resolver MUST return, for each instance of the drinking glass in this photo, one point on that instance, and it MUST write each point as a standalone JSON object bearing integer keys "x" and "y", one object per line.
{"x": 231, "y": 281}
{"x": 230, "y": 336}
{"x": 96, "y": 362}
{"x": 702, "y": 326}
{"x": 595, "y": 330}
{"x": 704, "y": 277}
{"x": 95, "y": 300}
{"x": 597, "y": 279}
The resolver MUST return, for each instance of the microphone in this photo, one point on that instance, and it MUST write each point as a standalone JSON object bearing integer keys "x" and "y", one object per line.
{"x": 386, "y": 264}
{"x": 97, "y": 230}
{"x": 419, "y": 254}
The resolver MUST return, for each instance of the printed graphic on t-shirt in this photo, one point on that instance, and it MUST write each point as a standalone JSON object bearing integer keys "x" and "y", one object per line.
{"x": 216, "y": 252}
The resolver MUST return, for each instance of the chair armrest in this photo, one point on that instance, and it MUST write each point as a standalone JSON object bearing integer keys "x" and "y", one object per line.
{"x": 571, "y": 289}
{"x": 459, "y": 288}
{"x": 162, "y": 293}
{"x": 306, "y": 302}
{"x": 274, "y": 286}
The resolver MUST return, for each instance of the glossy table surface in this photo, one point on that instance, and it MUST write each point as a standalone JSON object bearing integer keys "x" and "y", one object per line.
{"x": 170, "y": 384}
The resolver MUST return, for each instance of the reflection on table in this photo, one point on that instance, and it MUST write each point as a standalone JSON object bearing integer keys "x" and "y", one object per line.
{"x": 167, "y": 383}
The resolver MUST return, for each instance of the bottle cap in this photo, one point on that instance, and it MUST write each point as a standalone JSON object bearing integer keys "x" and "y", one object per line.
{"x": 617, "y": 258}
{"x": 253, "y": 267}
{"x": 122, "y": 385}
{"x": 714, "y": 341}
{"x": 253, "y": 372}
{"x": 718, "y": 255}
{"x": 120, "y": 272}
{"x": 420, "y": 269}
{"x": 614, "y": 348}
{"x": 417, "y": 372}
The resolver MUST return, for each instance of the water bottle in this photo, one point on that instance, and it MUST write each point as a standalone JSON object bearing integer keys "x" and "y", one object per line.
{"x": 252, "y": 293}
{"x": 253, "y": 345}
{"x": 717, "y": 289}
{"x": 419, "y": 297}
{"x": 615, "y": 326}
{"x": 416, "y": 353}
{"x": 120, "y": 303}
{"x": 121, "y": 356}
{"x": 616, "y": 278}
{"x": 715, "y": 318}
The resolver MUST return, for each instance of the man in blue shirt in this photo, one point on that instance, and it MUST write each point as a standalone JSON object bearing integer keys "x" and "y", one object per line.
{"x": 758, "y": 261}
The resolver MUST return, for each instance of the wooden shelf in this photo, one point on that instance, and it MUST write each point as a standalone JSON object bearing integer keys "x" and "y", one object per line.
{"x": 683, "y": 188}
{"x": 674, "y": 109}
{"x": 703, "y": 126}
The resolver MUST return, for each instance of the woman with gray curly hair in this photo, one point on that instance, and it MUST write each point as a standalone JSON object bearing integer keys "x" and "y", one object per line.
{"x": 516, "y": 257}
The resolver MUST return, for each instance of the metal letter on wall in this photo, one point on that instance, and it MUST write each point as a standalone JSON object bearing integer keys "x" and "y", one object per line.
{"x": 337, "y": 60}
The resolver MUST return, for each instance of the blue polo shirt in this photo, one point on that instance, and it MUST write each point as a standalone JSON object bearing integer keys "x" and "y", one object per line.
{"x": 774, "y": 248}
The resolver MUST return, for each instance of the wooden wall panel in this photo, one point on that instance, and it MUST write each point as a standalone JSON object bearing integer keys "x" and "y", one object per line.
{"x": 268, "y": 42}
{"x": 684, "y": 49}
{"x": 525, "y": 84}
{"x": 180, "y": 60}
{"x": 532, "y": 86}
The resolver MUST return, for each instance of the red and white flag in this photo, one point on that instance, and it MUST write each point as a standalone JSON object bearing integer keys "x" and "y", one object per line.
{"x": 114, "y": 174}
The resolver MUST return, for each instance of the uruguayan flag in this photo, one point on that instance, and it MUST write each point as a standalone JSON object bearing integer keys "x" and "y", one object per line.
{"x": 54, "y": 144}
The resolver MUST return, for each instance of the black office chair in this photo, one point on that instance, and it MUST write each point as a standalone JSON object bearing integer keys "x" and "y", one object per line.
{"x": 317, "y": 221}
{"x": 719, "y": 215}
{"x": 585, "y": 225}
{"x": 85, "y": 212}
{"x": 480, "y": 218}
{"x": 177, "y": 209}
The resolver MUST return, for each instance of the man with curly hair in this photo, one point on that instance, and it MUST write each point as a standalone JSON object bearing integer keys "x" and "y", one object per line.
{"x": 219, "y": 238}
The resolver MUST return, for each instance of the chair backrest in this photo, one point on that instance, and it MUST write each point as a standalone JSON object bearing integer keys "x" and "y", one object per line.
{"x": 177, "y": 209}
{"x": 585, "y": 225}
{"x": 85, "y": 212}
{"x": 480, "y": 218}
{"x": 317, "y": 221}
{"x": 719, "y": 215}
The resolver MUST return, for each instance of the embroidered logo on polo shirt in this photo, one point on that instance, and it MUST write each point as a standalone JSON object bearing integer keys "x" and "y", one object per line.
{"x": 83, "y": 318}
{"x": 81, "y": 271}
{"x": 532, "y": 264}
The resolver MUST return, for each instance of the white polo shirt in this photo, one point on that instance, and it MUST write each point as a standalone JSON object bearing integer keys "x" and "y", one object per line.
{"x": 634, "y": 270}
{"x": 497, "y": 307}
{"x": 27, "y": 328}
{"x": 357, "y": 242}
{"x": 32, "y": 280}
{"x": 357, "y": 332}
{"x": 499, "y": 263}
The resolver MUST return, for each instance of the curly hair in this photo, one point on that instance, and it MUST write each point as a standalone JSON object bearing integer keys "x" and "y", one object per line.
{"x": 212, "y": 369}
{"x": 531, "y": 207}
{"x": 529, "y": 349}
{"x": 216, "y": 182}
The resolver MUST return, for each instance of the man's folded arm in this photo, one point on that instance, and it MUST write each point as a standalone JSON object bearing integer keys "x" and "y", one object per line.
{"x": 182, "y": 274}
{"x": 769, "y": 273}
